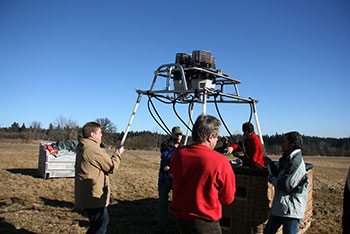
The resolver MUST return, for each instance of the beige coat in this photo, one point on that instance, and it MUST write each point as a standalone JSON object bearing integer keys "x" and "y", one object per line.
{"x": 92, "y": 167}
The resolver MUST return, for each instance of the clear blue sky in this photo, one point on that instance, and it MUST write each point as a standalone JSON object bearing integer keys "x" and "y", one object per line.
{"x": 84, "y": 59}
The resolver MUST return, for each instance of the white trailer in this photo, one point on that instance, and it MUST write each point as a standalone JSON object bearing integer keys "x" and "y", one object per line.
{"x": 55, "y": 165}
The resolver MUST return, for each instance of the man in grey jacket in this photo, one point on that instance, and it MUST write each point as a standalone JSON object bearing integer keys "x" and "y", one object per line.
{"x": 291, "y": 187}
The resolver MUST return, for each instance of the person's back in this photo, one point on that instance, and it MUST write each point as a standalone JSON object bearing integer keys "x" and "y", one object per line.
{"x": 254, "y": 150}
{"x": 202, "y": 180}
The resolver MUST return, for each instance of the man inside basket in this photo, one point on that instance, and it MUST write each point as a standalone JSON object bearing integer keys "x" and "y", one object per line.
{"x": 249, "y": 150}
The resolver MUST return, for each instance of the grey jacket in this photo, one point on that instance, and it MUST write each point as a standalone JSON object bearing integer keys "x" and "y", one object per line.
{"x": 291, "y": 187}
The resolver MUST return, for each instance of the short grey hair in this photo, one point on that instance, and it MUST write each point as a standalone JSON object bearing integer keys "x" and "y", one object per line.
{"x": 204, "y": 126}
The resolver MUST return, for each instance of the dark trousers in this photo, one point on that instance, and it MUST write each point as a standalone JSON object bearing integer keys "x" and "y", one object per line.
{"x": 346, "y": 211}
{"x": 290, "y": 225}
{"x": 198, "y": 226}
{"x": 99, "y": 220}
{"x": 162, "y": 206}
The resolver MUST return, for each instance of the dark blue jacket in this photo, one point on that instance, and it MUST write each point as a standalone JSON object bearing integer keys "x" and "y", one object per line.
{"x": 167, "y": 149}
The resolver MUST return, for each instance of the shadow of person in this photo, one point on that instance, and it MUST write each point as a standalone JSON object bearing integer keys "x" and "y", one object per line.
{"x": 57, "y": 203}
{"x": 137, "y": 217}
{"x": 63, "y": 204}
{"x": 7, "y": 228}
{"x": 25, "y": 171}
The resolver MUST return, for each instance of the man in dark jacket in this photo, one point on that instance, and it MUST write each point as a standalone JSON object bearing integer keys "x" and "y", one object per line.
{"x": 346, "y": 206}
{"x": 164, "y": 180}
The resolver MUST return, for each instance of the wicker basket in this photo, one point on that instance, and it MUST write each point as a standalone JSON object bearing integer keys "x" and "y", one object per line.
{"x": 250, "y": 210}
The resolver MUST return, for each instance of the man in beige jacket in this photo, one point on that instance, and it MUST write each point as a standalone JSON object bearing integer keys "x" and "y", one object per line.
{"x": 93, "y": 164}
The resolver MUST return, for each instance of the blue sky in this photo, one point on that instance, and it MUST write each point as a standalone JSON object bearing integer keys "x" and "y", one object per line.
{"x": 84, "y": 60}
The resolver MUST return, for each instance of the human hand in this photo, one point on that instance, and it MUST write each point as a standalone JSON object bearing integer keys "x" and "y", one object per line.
{"x": 267, "y": 161}
{"x": 229, "y": 150}
{"x": 166, "y": 168}
{"x": 119, "y": 150}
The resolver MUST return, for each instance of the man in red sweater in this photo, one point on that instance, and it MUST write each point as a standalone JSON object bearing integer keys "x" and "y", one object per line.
{"x": 203, "y": 180}
{"x": 254, "y": 154}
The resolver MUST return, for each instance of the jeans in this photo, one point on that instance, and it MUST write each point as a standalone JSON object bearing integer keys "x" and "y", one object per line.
{"x": 198, "y": 226}
{"x": 99, "y": 220}
{"x": 162, "y": 206}
{"x": 290, "y": 225}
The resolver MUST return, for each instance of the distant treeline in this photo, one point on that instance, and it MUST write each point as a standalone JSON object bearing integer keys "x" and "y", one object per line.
{"x": 65, "y": 129}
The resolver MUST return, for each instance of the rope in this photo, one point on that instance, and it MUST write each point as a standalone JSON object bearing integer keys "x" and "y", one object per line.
{"x": 251, "y": 112}
{"x": 190, "y": 106}
{"x": 174, "y": 102}
{"x": 165, "y": 128}
{"x": 159, "y": 99}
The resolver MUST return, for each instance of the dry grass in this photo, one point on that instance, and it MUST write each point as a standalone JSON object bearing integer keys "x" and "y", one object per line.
{"x": 29, "y": 204}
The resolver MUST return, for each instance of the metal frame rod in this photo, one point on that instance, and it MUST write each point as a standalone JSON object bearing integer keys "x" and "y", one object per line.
{"x": 218, "y": 75}
{"x": 210, "y": 93}
{"x": 158, "y": 71}
{"x": 202, "y": 95}
{"x": 131, "y": 118}
{"x": 258, "y": 128}
{"x": 188, "y": 126}
{"x": 204, "y": 106}
{"x": 249, "y": 100}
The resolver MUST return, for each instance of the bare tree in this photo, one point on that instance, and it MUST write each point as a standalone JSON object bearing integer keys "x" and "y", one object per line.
{"x": 35, "y": 125}
{"x": 63, "y": 122}
{"x": 107, "y": 126}
{"x": 35, "y": 129}
{"x": 109, "y": 131}
{"x": 69, "y": 126}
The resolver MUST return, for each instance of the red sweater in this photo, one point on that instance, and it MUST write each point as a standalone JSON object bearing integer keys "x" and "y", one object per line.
{"x": 202, "y": 180}
{"x": 254, "y": 150}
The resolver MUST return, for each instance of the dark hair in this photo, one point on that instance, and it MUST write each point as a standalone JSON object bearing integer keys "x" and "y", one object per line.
{"x": 248, "y": 127}
{"x": 295, "y": 138}
{"x": 204, "y": 126}
{"x": 90, "y": 127}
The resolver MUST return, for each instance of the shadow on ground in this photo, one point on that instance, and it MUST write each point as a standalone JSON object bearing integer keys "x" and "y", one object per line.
{"x": 137, "y": 217}
{"x": 6, "y": 228}
{"x": 25, "y": 171}
{"x": 57, "y": 203}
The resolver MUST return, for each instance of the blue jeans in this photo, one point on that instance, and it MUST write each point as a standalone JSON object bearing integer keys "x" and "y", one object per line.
{"x": 290, "y": 225}
{"x": 162, "y": 206}
{"x": 99, "y": 220}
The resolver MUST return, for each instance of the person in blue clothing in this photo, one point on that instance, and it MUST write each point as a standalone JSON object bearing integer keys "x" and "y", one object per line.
{"x": 164, "y": 180}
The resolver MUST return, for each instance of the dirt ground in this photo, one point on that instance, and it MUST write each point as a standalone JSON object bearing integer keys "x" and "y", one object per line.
{"x": 30, "y": 204}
